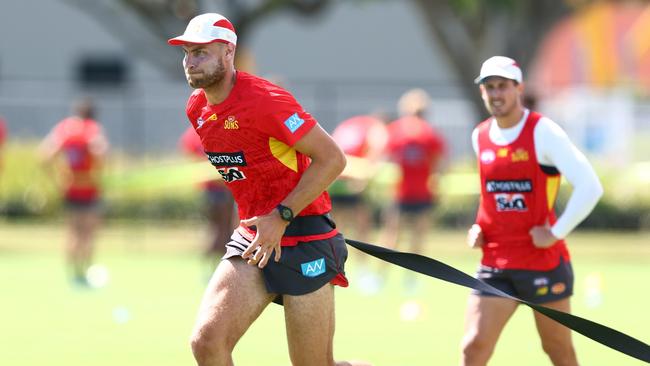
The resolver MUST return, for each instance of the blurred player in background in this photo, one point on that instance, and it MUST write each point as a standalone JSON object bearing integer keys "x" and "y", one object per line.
{"x": 73, "y": 154}
{"x": 277, "y": 161}
{"x": 418, "y": 149}
{"x": 218, "y": 203}
{"x": 521, "y": 156}
{"x": 362, "y": 139}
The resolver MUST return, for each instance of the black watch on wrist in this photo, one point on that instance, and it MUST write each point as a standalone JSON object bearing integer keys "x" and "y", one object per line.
{"x": 285, "y": 212}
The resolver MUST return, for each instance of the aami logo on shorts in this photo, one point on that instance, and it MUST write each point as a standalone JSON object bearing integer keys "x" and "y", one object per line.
{"x": 231, "y": 174}
{"x": 509, "y": 186}
{"x": 313, "y": 268}
{"x": 510, "y": 202}
{"x": 226, "y": 159}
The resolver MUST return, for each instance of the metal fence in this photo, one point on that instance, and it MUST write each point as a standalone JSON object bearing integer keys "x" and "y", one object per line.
{"x": 148, "y": 117}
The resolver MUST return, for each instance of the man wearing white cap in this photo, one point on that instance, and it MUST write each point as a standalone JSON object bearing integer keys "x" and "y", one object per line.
{"x": 521, "y": 156}
{"x": 277, "y": 161}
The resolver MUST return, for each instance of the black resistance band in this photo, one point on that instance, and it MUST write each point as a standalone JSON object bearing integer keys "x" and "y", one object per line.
{"x": 433, "y": 268}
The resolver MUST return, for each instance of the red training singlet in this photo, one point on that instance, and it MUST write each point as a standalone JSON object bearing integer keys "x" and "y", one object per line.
{"x": 75, "y": 137}
{"x": 517, "y": 193}
{"x": 352, "y": 135}
{"x": 415, "y": 146}
{"x": 249, "y": 138}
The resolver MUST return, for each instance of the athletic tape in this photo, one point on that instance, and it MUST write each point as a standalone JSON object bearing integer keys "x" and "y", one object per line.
{"x": 433, "y": 268}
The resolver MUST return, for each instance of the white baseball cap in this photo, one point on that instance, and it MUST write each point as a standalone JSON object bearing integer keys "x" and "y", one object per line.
{"x": 207, "y": 28}
{"x": 500, "y": 66}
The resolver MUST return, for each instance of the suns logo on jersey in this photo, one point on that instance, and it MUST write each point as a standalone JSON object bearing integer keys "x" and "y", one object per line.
{"x": 231, "y": 123}
{"x": 519, "y": 155}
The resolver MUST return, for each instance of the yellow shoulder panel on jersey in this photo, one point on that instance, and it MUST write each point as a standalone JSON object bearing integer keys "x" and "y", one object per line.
{"x": 284, "y": 153}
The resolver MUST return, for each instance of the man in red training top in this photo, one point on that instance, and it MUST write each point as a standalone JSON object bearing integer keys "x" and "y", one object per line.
{"x": 218, "y": 202}
{"x": 417, "y": 148}
{"x": 277, "y": 161}
{"x": 521, "y": 155}
{"x": 362, "y": 137}
{"x": 73, "y": 152}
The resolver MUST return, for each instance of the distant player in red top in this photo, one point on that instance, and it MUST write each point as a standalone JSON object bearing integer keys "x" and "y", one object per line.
{"x": 417, "y": 148}
{"x": 277, "y": 161}
{"x": 73, "y": 152}
{"x": 219, "y": 204}
{"x": 521, "y": 155}
{"x": 363, "y": 137}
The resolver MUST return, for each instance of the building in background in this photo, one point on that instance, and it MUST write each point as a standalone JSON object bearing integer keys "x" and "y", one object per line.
{"x": 345, "y": 72}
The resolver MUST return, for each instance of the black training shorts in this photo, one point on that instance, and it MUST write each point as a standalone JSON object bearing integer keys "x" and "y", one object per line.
{"x": 537, "y": 287}
{"x": 302, "y": 268}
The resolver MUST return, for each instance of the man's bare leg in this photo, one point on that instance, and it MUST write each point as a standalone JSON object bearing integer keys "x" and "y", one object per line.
{"x": 234, "y": 298}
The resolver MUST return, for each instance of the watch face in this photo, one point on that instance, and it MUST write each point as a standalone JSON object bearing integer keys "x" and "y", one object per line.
{"x": 285, "y": 213}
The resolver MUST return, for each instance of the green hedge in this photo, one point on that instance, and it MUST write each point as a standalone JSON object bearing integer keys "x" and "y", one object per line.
{"x": 26, "y": 192}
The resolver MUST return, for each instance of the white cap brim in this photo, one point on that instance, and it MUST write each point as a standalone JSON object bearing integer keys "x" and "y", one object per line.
{"x": 193, "y": 39}
{"x": 215, "y": 34}
{"x": 496, "y": 71}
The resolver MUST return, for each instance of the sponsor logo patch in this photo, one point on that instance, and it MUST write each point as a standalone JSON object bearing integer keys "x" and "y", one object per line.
{"x": 294, "y": 122}
{"x": 519, "y": 155}
{"x": 502, "y": 152}
{"x": 510, "y": 202}
{"x": 540, "y": 281}
{"x": 313, "y": 268}
{"x": 201, "y": 121}
{"x": 487, "y": 156}
{"x": 230, "y": 175}
{"x": 509, "y": 186}
{"x": 541, "y": 291}
{"x": 558, "y": 288}
{"x": 226, "y": 159}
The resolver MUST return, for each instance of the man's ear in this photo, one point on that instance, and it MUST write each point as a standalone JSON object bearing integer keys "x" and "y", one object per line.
{"x": 230, "y": 50}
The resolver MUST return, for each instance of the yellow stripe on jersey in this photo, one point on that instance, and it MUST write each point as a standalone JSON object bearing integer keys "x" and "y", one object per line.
{"x": 552, "y": 186}
{"x": 284, "y": 153}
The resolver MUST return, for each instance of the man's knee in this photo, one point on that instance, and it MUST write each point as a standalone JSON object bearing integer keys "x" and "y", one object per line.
{"x": 560, "y": 351}
{"x": 210, "y": 345}
{"x": 477, "y": 347}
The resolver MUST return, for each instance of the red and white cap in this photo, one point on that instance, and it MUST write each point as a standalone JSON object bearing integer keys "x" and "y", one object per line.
{"x": 500, "y": 66}
{"x": 206, "y": 28}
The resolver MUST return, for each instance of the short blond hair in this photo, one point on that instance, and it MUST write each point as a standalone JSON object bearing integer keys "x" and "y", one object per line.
{"x": 413, "y": 102}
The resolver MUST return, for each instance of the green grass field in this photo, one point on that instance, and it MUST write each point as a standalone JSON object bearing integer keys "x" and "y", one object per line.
{"x": 145, "y": 313}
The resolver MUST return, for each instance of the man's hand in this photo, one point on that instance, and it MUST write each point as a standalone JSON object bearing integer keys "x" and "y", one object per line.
{"x": 542, "y": 236}
{"x": 270, "y": 229}
{"x": 475, "y": 236}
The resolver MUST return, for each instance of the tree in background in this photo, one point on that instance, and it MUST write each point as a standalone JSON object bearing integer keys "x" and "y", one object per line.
{"x": 145, "y": 25}
{"x": 467, "y": 30}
